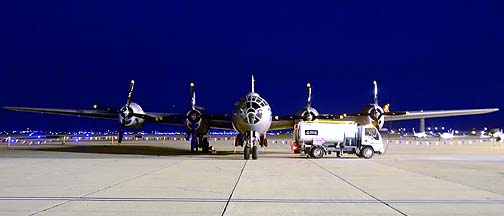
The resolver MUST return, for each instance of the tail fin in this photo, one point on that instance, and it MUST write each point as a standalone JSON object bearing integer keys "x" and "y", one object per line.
{"x": 253, "y": 80}
{"x": 375, "y": 92}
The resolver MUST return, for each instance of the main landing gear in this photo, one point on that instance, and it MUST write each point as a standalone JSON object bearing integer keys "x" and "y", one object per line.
{"x": 200, "y": 142}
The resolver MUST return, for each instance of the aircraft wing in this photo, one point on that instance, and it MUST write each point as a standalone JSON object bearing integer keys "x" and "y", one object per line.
{"x": 282, "y": 124}
{"x": 216, "y": 121}
{"x": 437, "y": 114}
{"x": 221, "y": 124}
{"x": 166, "y": 118}
{"x": 72, "y": 112}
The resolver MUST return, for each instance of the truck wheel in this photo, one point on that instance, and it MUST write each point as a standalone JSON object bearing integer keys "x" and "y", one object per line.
{"x": 255, "y": 151}
{"x": 367, "y": 152}
{"x": 317, "y": 152}
{"x": 246, "y": 153}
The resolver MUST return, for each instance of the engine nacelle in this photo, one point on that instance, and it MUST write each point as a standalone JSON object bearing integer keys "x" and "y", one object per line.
{"x": 307, "y": 114}
{"x": 195, "y": 119}
{"x": 374, "y": 116}
{"x": 127, "y": 118}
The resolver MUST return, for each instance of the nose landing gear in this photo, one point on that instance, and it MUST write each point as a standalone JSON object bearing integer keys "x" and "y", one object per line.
{"x": 251, "y": 146}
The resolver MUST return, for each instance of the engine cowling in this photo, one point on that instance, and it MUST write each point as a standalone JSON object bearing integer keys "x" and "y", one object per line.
{"x": 374, "y": 115}
{"x": 307, "y": 114}
{"x": 193, "y": 119}
{"x": 127, "y": 118}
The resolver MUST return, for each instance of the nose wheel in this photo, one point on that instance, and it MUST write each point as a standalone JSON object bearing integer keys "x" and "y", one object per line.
{"x": 251, "y": 147}
{"x": 247, "y": 151}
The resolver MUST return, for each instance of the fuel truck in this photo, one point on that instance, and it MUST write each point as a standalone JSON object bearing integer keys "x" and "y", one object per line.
{"x": 320, "y": 137}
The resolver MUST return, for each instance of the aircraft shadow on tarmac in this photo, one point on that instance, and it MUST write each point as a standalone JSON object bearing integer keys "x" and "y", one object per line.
{"x": 137, "y": 150}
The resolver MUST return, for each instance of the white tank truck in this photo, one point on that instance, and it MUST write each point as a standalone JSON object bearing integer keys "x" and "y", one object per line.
{"x": 320, "y": 137}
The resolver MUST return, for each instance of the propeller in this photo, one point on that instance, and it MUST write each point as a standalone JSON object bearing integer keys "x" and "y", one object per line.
{"x": 375, "y": 112}
{"x": 308, "y": 113}
{"x": 193, "y": 116}
{"x": 125, "y": 112}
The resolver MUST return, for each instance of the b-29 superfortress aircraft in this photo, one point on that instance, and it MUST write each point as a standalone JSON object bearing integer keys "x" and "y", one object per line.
{"x": 251, "y": 118}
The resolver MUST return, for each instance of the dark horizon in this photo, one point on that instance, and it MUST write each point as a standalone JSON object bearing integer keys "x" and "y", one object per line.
{"x": 425, "y": 56}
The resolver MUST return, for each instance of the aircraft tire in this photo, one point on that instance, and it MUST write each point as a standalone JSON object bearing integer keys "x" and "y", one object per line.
{"x": 246, "y": 152}
{"x": 194, "y": 145}
{"x": 317, "y": 152}
{"x": 255, "y": 152}
{"x": 205, "y": 145}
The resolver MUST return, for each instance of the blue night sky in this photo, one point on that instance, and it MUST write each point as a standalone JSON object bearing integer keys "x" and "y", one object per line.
{"x": 426, "y": 55}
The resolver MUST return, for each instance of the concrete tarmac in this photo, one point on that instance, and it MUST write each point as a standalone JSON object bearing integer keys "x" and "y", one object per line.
{"x": 150, "y": 178}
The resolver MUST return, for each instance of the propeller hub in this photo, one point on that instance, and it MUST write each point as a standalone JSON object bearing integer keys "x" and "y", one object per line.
{"x": 308, "y": 116}
{"x": 375, "y": 115}
{"x": 126, "y": 112}
{"x": 194, "y": 116}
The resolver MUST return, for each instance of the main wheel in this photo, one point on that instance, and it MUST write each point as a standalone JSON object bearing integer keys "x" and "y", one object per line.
{"x": 246, "y": 152}
{"x": 317, "y": 152}
{"x": 367, "y": 152}
{"x": 205, "y": 145}
{"x": 255, "y": 152}
{"x": 194, "y": 145}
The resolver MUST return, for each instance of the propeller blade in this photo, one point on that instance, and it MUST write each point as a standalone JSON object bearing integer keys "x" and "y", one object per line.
{"x": 193, "y": 134}
{"x": 193, "y": 96}
{"x": 121, "y": 132}
{"x": 375, "y": 93}
{"x": 130, "y": 92}
{"x": 308, "y": 101}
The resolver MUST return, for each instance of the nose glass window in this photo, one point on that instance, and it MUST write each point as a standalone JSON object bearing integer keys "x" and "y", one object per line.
{"x": 251, "y": 109}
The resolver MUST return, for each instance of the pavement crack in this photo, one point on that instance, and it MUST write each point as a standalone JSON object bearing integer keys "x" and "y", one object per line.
{"x": 358, "y": 188}
{"x": 232, "y": 191}
{"x": 104, "y": 188}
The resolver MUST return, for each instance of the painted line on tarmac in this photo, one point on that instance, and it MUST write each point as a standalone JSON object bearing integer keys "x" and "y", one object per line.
{"x": 225, "y": 200}
{"x": 234, "y": 188}
{"x": 105, "y": 188}
{"x": 358, "y": 188}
